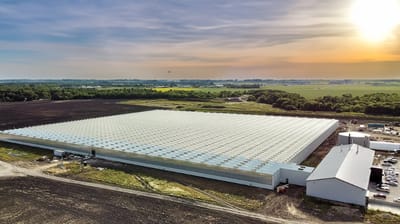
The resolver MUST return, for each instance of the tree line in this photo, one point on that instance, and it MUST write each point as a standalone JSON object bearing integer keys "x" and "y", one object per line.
{"x": 375, "y": 104}
{"x": 14, "y": 93}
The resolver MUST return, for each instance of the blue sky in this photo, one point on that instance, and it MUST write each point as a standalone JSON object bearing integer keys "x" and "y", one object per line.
{"x": 193, "y": 39}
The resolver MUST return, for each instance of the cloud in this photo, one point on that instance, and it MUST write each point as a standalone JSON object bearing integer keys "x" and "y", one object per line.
{"x": 151, "y": 35}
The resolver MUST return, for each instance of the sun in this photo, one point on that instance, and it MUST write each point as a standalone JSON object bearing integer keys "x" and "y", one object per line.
{"x": 376, "y": 19}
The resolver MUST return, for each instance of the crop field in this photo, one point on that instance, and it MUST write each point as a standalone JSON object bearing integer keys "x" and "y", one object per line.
{"x": 314, "y": 91}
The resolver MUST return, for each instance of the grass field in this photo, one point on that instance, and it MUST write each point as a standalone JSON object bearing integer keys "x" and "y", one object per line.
{"x": 165, "y": 89}
{"x": 13, "y": 153}
{"x": 203, "y": 89}
{"x": 314, "y": 91}
{"x": 308, "y": 91}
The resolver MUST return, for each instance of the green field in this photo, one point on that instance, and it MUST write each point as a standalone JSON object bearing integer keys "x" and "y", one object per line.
{"x": 308, "y": 91}
{"x": 203, "y": 89}
{"x": 314, "y": 91}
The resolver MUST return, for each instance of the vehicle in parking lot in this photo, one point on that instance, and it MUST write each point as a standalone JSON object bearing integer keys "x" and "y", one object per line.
{"x": 397, "y": 200}
{"x": 390, "y": 160}
{"x": 379, "y": 195}
{"x": 386, "y": 164}
{"x": 383, "y": 189}
{"x": 393, "y": 183}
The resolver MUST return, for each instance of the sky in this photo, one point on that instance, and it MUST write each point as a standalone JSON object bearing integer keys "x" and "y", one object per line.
{"x": 207, "y": 39}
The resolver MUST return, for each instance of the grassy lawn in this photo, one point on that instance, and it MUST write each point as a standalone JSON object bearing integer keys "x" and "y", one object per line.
{"x": 314, "y": 91}
{"x": 13, "y": 153}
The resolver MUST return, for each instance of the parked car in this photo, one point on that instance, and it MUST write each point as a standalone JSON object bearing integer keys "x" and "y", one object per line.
{"x": 380, "y": 195}
{"x": 393, "y": 160}
{"x": 386, "y": 164}
{"x": 383, "y": 189}
{"x": 393, "y": 183}
{"x": 397, "y": 200}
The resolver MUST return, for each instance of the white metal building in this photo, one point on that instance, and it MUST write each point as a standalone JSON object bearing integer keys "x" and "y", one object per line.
{"x": 343, "y": 175}
{"x": 385, "y": 146}
{"x": 246, "y": 149}
{"x": 354, "y": 137}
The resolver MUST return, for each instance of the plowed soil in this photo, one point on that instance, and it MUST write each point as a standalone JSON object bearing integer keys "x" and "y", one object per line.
{"x": 23, "y": 114}
{"x": 37, "y": 200}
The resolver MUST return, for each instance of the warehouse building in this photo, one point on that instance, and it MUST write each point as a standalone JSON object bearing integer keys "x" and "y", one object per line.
{"x": 252, "y": 150}
{"x": 343, "y": 175}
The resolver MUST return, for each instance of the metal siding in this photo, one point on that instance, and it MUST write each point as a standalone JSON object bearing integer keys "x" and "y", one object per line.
{"x": 296, "y": 177}
{"x": 300, "y": 157}
{"x": 336, "y": 190}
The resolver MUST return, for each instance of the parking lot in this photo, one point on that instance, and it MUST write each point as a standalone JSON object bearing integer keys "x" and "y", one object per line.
{"x": 390, "y": 179}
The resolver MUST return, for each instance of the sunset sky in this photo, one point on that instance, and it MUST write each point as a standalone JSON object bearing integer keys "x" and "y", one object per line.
{"x": 207, "y": 39}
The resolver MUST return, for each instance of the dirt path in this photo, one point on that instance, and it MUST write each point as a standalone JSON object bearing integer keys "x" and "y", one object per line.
{"x": 8, "y": 170}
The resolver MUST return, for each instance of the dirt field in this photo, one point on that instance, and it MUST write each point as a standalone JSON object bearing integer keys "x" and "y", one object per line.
{"x": 22, "y": 114}
{"x": 36, "y": 200}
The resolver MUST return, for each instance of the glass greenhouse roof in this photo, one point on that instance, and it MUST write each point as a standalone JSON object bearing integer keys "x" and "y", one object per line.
{"x": 244, "y": 142}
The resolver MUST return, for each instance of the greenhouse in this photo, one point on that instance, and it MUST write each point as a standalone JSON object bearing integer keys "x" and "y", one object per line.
{"x": 245, "y": 149}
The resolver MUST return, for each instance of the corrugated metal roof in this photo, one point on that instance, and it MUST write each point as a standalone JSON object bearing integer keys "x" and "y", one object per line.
{"x": 349, "y": 163}
{"x": 244, "y": 142}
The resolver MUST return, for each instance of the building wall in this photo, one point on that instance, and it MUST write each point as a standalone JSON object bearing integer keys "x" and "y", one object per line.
{"x": 301, "y": 156}
{"x": 336, "y": 190}
{"x": 296, "y": 177}
{"x": 363, "y": 141}
{"x": 234, "y": 176}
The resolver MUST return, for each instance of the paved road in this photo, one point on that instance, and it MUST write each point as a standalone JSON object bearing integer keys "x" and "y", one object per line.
{"x": 10, "y": 170}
